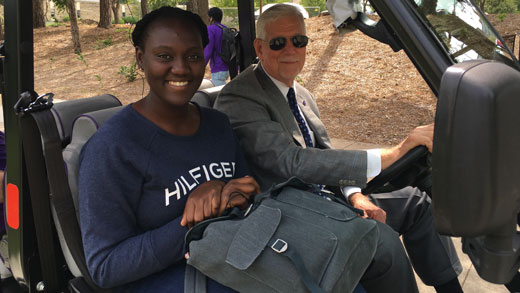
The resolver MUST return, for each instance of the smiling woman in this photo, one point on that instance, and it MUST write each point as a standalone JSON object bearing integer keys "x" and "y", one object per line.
{"x": 159, "y": 166}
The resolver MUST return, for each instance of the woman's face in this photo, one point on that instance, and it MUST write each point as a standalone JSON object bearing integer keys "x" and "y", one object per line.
{"x": 172, "y": 60}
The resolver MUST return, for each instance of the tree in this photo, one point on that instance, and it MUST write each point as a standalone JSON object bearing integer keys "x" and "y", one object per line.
{"x": 500, "y": 6}
{"x": 481, "y": 4}
{"x": 38, "y": 15}
{"x": 71, "y": 10}
{"x": 199, "y": 7}
{"x": 115, "y": 9}
{"x": 144, "y": 7}
{"x": 104, "y": 14}
{"x": 155, "y": 4}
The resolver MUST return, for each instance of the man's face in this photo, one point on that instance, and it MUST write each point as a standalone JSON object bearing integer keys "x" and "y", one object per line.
{"x": 285, "y": 64}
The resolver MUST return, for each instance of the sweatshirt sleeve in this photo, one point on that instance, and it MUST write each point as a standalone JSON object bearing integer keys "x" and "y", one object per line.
{"x": 210, "y": 47}
{"x": 117, "y": 250}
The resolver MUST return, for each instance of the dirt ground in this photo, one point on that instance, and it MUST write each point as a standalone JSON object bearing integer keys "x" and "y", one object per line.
{"x": 365, "y": 91}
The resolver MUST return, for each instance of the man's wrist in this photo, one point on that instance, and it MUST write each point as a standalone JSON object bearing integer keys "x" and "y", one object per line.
{"x": 348, "y": 191}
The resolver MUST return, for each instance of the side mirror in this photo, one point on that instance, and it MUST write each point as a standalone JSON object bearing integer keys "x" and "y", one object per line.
{"x": 476, "y": 164}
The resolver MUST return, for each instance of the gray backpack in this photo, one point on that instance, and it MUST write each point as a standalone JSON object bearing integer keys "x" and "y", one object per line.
{"x": 289, "y": 240}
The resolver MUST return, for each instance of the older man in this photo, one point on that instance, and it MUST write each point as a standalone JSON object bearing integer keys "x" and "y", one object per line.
{"x": 279, "y": 127}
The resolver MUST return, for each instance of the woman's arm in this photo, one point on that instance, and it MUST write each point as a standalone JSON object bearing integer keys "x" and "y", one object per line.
{"x": 117, "y": 250}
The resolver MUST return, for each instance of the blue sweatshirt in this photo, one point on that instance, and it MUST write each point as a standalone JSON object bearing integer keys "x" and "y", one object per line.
{"x": 134, "y": 180}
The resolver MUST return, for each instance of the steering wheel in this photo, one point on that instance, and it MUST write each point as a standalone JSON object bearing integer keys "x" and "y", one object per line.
{"x": 413, "y": 169}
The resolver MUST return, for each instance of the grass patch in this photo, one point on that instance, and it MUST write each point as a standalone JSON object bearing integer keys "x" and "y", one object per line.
{"x": 101, "y": 44}
{"x": 129, "y": 72}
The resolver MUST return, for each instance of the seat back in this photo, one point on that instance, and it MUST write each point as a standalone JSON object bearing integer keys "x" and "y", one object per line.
{"x": 83, "y": 127}
{"x": 206, "y": 83}
{"x": 206, "y": 97}
{"x": 65, "y": 116}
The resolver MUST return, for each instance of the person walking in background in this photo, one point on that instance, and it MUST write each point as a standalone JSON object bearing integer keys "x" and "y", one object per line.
{"x": 219, "y": 69}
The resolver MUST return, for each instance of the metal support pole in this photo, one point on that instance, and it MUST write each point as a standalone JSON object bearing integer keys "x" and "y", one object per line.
{"x": 19, "y": 77}
{"x": 246, "y": 21}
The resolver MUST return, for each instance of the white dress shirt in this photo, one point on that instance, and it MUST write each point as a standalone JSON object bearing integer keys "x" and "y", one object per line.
{"x": 373, "y": 155}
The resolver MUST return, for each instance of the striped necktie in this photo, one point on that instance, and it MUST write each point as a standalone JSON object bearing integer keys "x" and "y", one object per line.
{"x": 291, "y": 97}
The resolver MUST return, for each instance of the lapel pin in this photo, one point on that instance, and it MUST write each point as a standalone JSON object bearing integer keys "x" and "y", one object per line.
{"x": 304, "y": 103}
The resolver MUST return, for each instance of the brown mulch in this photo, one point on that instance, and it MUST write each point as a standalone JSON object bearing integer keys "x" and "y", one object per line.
{"x": 365, "y": 91}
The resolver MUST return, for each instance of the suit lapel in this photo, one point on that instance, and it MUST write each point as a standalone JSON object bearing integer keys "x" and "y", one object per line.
{"x": 279, "y": 103}
{"x": 306, "y": 103}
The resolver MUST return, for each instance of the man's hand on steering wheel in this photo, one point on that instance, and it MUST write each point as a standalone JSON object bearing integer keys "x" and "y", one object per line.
{"x": 360, "y": 201}
{"x": 422, "y": 135}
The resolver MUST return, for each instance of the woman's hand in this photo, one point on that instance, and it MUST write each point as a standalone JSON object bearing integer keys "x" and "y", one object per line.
{"x": 238, "y": 192}
{"x": 203, "y": 203}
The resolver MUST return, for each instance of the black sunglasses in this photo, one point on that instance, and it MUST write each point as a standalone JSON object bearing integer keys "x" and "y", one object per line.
{"x": 298, "y": 41}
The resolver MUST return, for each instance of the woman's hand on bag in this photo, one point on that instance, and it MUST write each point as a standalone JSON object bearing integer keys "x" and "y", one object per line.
{"x": 203, "y": 203}
{"x": 360, "y": 201}
{"x": 238, "y": 193}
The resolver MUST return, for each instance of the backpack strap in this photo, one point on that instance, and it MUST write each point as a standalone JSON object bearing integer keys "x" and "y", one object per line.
{"x": 281, "y": 247}
{"x": 194, "y": 281}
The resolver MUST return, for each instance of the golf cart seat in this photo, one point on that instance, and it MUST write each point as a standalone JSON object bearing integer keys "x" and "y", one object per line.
{"x": 67, "y": 132}
{"x": 83, "y": 127}
{"x": 206, "y": 83}
{"x": 206, "y": 97}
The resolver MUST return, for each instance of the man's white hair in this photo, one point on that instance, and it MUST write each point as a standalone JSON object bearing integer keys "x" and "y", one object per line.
{"x": 274, "y": 13}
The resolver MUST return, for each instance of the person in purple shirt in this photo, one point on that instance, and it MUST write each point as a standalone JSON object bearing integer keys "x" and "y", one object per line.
{"x": 219, "y": 70}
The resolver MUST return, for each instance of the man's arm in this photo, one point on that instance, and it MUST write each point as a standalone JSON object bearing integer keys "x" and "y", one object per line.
{"x": 271, "y": 148}
{"x": 422, "y": 135}
{"x": 210, "y": 47}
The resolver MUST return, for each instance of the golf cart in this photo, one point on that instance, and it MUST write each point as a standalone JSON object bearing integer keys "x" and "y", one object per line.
{"x": 475, "y": 165}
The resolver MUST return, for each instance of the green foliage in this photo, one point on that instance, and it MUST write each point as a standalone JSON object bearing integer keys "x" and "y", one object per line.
{"x": 66, "y": 18}
{"x": 155, "y": 4}
{"x": 501, "y": 6}
{"x": 308, "y": 3}
{"x": 501, "y": 16}
{"x": 61, "y": 5}
{"x": 81, "y": 58}
{"x": 130, "y": 72}
{"x": 123, "y": 29}
{"x": 98, "y": 77}
{"x": 104, "y": 43}
{"x": 130, "y": 19}
{"x": 54, "y": 24}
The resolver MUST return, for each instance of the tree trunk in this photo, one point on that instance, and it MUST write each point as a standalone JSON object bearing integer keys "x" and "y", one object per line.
{"x": 115, "y": 9}
{"x": 144, "y": 8}
{"x": 482, "y": 3}
{"x": 38, "y": 16}
{"x": 1, "y": 30}
{"x": 71, "y": 10}
{"x": 199, "y": 7}
{"x": 104, "y": 14}
{"x": 428, "y": 7}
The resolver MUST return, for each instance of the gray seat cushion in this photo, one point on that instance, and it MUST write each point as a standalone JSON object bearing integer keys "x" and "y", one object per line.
{"x": 206, "y": 97}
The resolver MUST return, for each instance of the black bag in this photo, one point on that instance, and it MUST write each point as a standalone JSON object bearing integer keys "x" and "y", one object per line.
{"x": 289, "y": 240}
{"x": 228, "y": 51}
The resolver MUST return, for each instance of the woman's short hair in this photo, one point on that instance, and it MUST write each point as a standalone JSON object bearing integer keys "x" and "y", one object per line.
{"x": 215, "y": 13}
{"x": 273, "y": 13}
{"x": 140, "y": 32}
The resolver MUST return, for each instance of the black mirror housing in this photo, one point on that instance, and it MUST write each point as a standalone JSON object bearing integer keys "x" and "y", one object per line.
{"x": 476, "y": 156}
{"x": 476, "y": 164}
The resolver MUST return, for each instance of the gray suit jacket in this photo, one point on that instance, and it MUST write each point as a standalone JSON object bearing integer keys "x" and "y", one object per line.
{"x": 272, "y": 141}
